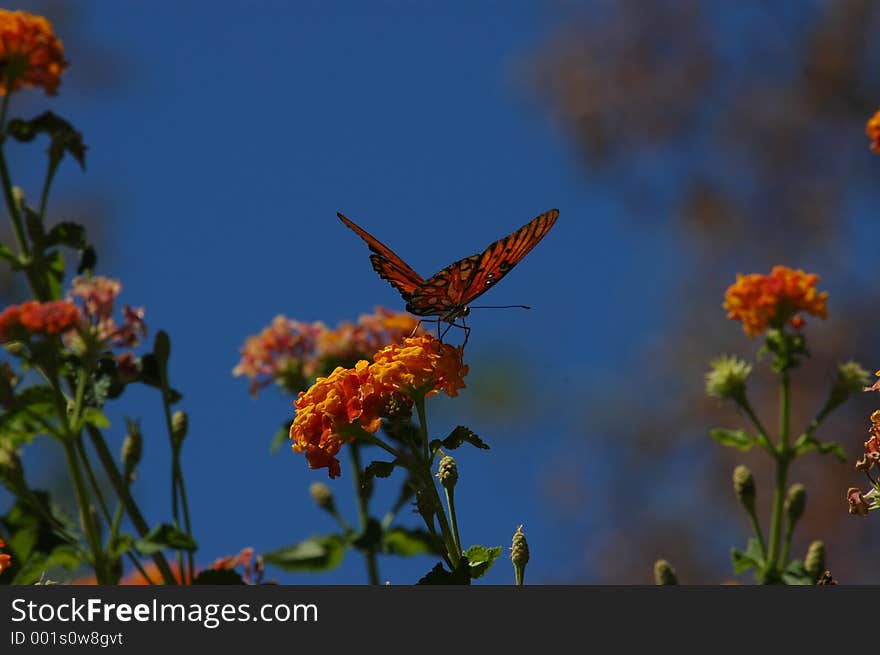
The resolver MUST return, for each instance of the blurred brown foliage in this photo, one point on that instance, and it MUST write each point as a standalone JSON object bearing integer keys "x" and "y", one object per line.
{"x": 742, "y": 124}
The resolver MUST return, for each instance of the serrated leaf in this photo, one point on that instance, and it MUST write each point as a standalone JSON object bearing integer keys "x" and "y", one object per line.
{"x": 64, "y": 137}
{"x": 313, "y": 554}
{"x": 407, "y": 542}
{"x": 440, "y": 576}
{"x": 807, "y": 443}
{"x": 739, "y": 439}
{"x": 795, "y": 574}
{"x": 480, "y": 559}
{"x": 459, "y": 436}
{"x": 755, "y": 552}
{"x": 222, "y": 576}
{"x": 165, "y": 536}
{"x": 378, "y": 469}
{"x": 72, "y": 235}
{"x": 741, "y": 562}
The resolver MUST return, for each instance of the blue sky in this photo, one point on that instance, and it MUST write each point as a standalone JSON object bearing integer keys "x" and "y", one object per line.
{"x": 238, "y": 130}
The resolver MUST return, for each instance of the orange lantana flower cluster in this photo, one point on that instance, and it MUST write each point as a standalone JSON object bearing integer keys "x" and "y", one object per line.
{"x": 53, "y": 317}
{"x": 760, "y": 301}
{"x": 30, "y": 53}
{"x": 337, "y": 407}
{"x": 5, "y": 558}
{"x": 292, "y": 352}
{"x": 872, "y": 129}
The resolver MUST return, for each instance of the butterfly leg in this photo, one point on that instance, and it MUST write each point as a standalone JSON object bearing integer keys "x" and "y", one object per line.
{"x": 448, "y": 327}
{"x": 416, "y": 328}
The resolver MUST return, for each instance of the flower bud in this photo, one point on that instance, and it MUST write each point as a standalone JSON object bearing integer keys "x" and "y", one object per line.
{"x": 795, "y": 501}
{"x": 322, "y": 496}
{"x": 179, "y": 427}
{"x": 447, "y": 472}
{"x": 814, "y": 562}
{"x": 851, "y": 378}
{"x": 519, "y": 555}
{"x": 744, "y": 487}
{"x": 727, "y": 378}
{"x": 132, "y": 448}
{"x": 664, "y": 574}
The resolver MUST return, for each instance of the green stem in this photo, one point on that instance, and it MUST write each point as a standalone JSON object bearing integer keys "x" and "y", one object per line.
{"x": 47, "y": 184}
{"x": 85, "y": 516}
{"x": 124, "y": 495}
{"x": 363, "y": 512}
{"x": 450, "y": 502}
{"x": 429, "y": 484}
{"x": 756, "y": 528}
{"x": 782, "y": 462}
{"x": 11, "y": 205}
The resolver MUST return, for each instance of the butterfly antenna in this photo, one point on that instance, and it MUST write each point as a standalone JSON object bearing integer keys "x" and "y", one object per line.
{"x": 500, "y": 307}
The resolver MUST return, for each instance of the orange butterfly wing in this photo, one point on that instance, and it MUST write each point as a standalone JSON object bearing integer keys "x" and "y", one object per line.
{"x": 388, "y": 265}
{"x": 460, "y": 283}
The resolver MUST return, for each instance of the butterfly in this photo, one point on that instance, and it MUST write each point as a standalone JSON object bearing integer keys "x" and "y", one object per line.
{"x": 447, "y": 294}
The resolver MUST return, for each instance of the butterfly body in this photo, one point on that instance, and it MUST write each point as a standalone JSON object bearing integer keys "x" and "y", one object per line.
{"x": 447, "y": 294}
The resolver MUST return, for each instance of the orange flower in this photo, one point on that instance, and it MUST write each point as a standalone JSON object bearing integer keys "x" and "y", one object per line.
{"x": 292, "y": 352}
{"x": 872, "y": 129}
{"x": 52, "y": 317}
{"x": 333, "y": 409}
{"x": 326, "y": 411}
{"x": 761, "y": 301}
{"x": 30, "y": 53}
{"x": 351, "y": 342}
{"x": 5, "y": 559}
{"x": 284, "y": 348}
{"x": 422, "y": 365}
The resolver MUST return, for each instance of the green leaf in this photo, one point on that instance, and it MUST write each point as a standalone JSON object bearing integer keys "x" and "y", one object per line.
{"x": 39, "y": 564}
{"x": 370, "y": 537}
{"x": 481, "y": 559}
{"x": 407, "y": 542}
{"x": 149, "y": 375}
{"x": 7, "y": 254}
{"x": 734, "y": 438}
{"x": 72, "y": 235}
{"x": 281, "y": 437}
{"x": 379, "y": 469}
{"x": 122, "y": 544}
{"x": 222, "y": 576}
{"x": 96, "y": 418}
{"x": 807, "y": 443}
{"x": 55, "y": 269}
{"x": 752, "y": 558}
{"x": 457, "y": 437}
{"x": 440, "y": 576}
{"x": 165, "y": 536}
{"x": 795, "y": 574}
{"x": 88, "y": 260}
{"x": 64, "y": 137}
{"x": 313, "y": 554}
